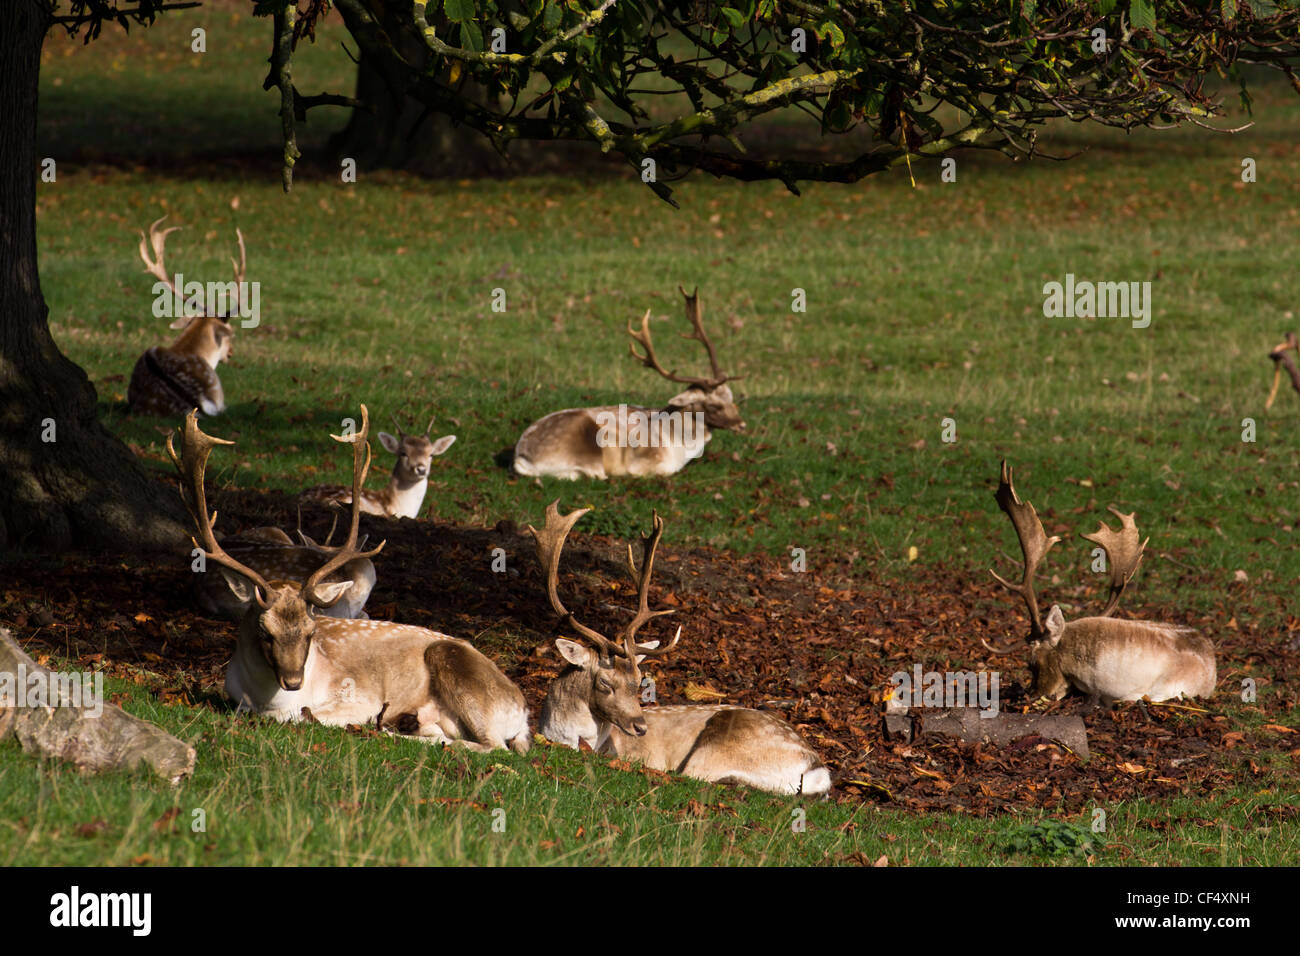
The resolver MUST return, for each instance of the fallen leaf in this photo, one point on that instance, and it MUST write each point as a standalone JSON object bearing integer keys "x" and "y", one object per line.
{"x": 696, "y": 691}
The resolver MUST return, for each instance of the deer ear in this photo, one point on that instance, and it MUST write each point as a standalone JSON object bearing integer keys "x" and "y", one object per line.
{"x": 723, "y": 394}
{"x": 573, "y": 652}
{"x": 182, "y": 323}
{"x": 443, "y": 443}
{"x": 1055, "y": 625}
{"x": 647, "y": 646}
{"x": 689, "y": 397}
{"x": 389, "y": 442}
{"x": 243, "y": 589}
{"x": 327, "y": 595}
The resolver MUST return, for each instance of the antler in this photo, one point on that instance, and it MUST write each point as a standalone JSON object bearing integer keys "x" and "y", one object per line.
{"x": 157, "y": 240}
{"x": 1123, "y": 553}
{"x": 156, "y": 266}
{"x": 1034, "y": 545}
{"x": 348, "y": 550}
{"x": 550, "y": 543}
{"x": 693, "y": 314}
{"x": 196, "y": 447}
{"x": 649, "y": 544}
{"x": 1283, "y": 361}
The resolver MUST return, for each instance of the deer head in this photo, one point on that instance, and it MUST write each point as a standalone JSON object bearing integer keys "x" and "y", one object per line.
{"x": 709, "y": 395}
{"x": 1124, "y": 553}
{"x": 208, "y": 336}
{"x": 415, "y": 453}
{"x": 280, "y": 617}
{"x": 610, "y": 668}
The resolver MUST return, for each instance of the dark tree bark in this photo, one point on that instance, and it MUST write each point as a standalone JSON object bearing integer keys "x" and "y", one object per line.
{"x": 84, "y": 489}
{"x": 395, "y": 131}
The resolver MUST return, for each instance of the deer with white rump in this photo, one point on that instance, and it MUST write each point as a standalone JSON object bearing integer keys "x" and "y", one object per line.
{"x": 632, "y": 440}
{"x": 597, "y": 697}
{"x": 404, "y": 495}
{"x": 1104, "y": 657}
{"x": 170, "y": 380}
{"x": 291, "y": 664}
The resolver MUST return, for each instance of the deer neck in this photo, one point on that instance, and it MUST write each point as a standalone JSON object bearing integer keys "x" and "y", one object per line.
{"x": 200, "y": 340}
{"x": 693, "y": 430}
{"x": 404, "y": 496}
{"x": 250, "y": 680}
{"x": 566, "y": 714}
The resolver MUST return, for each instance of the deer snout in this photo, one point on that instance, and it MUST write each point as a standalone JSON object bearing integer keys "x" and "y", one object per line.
{"x": 639, "y": 727}
{"x": 421, "y": 470}
{"x": 291, "y": 683}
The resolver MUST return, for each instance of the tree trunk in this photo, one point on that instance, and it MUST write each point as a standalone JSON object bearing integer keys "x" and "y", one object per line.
{"x": 65, "y": 481}
{"x": 396, "y": 132}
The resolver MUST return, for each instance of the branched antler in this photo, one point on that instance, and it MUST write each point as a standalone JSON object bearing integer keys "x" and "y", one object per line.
{"x": 649, "y": 360}
{"x": 196, "y": 447}
{"x": 1034, "y": 545}
{"x": 1123, "y": 554}
{"x": 550, "y": 544}
{"x": 349, "y": 549}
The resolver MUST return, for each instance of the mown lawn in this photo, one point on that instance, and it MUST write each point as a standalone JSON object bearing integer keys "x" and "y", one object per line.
{"x": 922, "y": 304}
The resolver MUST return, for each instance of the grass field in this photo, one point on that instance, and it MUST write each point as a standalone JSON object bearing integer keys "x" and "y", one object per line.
{"x": 923, "y": 304}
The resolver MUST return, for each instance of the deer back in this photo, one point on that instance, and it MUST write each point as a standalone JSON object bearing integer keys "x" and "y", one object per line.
{"x": 1118, "y": 659}
{"x": 725, "y": 744}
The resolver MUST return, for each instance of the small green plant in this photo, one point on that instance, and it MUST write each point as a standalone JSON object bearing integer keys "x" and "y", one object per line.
{"x": 1050, "y": 838}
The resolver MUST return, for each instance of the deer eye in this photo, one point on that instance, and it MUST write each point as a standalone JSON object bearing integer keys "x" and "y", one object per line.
{"x": 604, "y": 686}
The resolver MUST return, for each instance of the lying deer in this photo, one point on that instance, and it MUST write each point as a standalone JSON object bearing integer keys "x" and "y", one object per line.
{"x": 170, "y": 380}
{"x": 1104, "y": 657}
{"x": 279, "y": 560}
{"x": 613, "y": 440}
{"x": 597, "y": 697}
{"x": 404, "y": 496}
{"x": 291, "y": 664}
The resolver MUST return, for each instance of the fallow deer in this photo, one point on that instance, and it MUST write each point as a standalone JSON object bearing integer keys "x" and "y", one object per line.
{"x": 170, "y": 380}
{"x": 291, "y": 665}
{"x": 597, "y": 697}
{"x": 633, "y": 440}
{"x": 279, "y": 560}
{"x": 404, "y": 496}
{"x": 1104, "y": 657}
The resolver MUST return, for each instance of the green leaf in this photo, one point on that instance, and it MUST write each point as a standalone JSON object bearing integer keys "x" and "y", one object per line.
{"x": 1107, "y": 7}
{"x": 1229, "y": 9}
{"x": 1142, "y": 14}
{"x": 551, "y": 16}
{"x": 737, "y": 19}
{"x": 458, "y": 10}
{"x": 833, "y": 33}
{"x": 471, "y": 37}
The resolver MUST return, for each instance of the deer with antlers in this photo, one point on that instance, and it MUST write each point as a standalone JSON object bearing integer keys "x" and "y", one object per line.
{"x": 280, "y": 560}
{"x": 292, "y": 665}
{"x": 613, "y": 440}
{"x": 170, "y": 380}
{"x": 597, "y": 697}
{"x": 404, "y": 496}
{"x": 1104, "y": 657}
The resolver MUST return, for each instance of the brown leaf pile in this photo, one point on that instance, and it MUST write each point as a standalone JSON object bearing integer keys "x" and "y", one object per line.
{"x": 817, "y": 651}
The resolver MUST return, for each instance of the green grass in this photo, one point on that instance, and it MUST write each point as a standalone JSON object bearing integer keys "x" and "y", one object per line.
{"x": 272, "y": 794}
{"x": 923, "y": 304}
